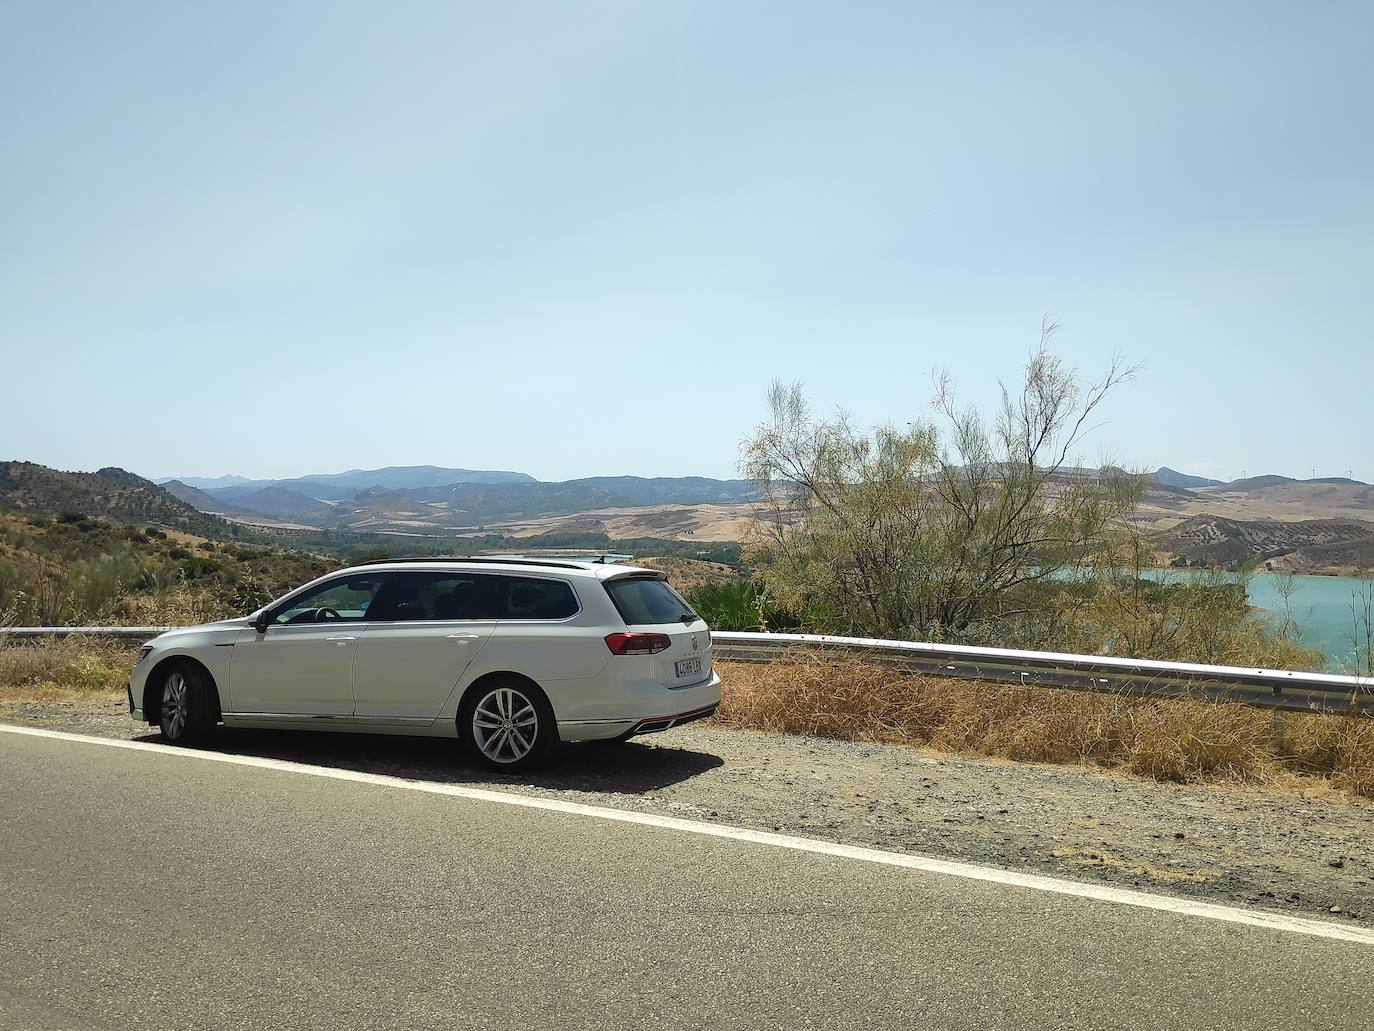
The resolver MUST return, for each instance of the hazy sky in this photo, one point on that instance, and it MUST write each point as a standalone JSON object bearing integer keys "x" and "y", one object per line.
{"x": 581, "y": 238}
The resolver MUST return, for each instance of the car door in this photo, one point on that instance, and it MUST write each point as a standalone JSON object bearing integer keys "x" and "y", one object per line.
{"x": 424, "y": 630}
{"x": 302, "y": 664}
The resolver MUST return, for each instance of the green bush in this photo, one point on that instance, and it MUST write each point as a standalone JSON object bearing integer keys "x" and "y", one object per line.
{"x": 741, "y": 605}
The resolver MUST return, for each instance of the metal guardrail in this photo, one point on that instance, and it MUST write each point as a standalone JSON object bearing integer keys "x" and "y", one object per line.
{"x": 1266, "y": 688}
{"x": 123, "y": 633}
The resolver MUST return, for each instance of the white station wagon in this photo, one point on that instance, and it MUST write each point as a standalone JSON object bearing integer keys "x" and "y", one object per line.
{"x": 509, "y": 656}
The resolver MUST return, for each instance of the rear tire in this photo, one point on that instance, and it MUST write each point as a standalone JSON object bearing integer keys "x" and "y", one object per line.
{"x": 507, "y": 725}
{"x": 189, "y": 709}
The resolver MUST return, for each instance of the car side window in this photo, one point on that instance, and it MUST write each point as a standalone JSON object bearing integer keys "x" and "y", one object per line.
{"x": 538, "y": 598}
{"x": 346, "y": 600}
{"x": 419, "y": 595}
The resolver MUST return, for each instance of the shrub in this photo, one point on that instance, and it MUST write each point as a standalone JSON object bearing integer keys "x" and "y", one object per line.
{"x": 730, "y": 606}
{"x": 741, "y": 605}
{"x": 930, "y": 529}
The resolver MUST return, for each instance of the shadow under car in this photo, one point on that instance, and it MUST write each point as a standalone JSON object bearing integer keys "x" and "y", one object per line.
{"x": 626, "y": 767}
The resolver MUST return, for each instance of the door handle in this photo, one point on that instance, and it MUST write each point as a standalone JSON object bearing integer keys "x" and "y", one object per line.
{"x": 341, "y": 639}
{"x": 461, "y": 638}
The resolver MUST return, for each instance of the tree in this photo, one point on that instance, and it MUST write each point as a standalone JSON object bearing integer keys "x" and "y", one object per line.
{"x": 941, "y": 529}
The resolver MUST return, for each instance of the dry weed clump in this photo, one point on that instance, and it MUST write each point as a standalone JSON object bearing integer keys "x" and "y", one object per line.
{"x": 1163, "y": 738}
{"x": 179, "y": 604}
{"x": 1339, "y": 747}
{"x": 62, "y": 669}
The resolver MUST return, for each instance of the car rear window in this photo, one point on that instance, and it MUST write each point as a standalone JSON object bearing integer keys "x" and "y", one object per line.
{"x": 643, "y": 600}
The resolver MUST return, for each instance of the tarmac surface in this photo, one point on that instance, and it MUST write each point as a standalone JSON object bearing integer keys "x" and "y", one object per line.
{"x": 154, "y": 888}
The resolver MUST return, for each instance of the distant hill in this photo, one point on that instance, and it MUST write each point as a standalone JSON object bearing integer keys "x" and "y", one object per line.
{"x": 1281, "y": 495}
{"x": 1272, "y": 480}
{"x": 406, "y": 477}
{"x": 471, "y": 503}
{"x": 1173, "y": 478}
{"x": 198, "y": 499}
{"x": 110, "y": 493}
{"x": 280, "y": 502}
{"x": 205, "y": 482}
{"x": 1257, "y": 482}
{"x": 672, "y": 490}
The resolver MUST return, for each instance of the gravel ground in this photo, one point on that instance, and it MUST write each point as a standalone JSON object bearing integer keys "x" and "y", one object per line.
{"x": 1248, "y": 846}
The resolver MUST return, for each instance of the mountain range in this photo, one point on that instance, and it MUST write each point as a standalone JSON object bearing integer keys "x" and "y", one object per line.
{"x": 437, "y": 498}
{"x": 453, "y": 498}
{"x": 341, "y": 485}
{"x": 1321, "y": 524}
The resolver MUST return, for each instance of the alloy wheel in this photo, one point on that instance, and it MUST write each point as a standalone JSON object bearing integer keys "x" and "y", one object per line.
{"x": 174, "y": 705}
{"x": 505, "y": 725}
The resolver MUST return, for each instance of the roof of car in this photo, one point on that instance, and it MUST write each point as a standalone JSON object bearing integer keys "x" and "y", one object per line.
{"x": 515, "y": 563}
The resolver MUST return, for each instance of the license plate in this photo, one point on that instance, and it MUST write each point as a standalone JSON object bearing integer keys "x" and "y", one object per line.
{"x": 687, "y": 667}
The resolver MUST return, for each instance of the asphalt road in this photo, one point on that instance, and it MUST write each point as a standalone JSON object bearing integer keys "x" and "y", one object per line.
{"x": 146, "y": 889}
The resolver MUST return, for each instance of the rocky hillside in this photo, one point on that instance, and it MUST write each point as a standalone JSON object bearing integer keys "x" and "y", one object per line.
{"x": 111, "y": 493}
{"x": 1300, "y": 546}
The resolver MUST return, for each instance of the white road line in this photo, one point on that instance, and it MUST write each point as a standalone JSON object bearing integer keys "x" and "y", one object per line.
{"x": 969, "y": 871}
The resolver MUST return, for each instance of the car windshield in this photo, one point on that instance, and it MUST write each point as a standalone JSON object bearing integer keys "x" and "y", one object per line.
{"x": 642, "y": 600}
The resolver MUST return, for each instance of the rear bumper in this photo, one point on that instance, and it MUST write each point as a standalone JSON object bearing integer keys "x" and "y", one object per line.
{"x": 619, "y": 730}
{"x": 654, "y": 724}
{"x": 640, "y": 707}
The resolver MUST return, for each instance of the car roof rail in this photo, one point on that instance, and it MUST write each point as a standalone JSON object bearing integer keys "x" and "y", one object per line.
{"x": 481, "y": 559}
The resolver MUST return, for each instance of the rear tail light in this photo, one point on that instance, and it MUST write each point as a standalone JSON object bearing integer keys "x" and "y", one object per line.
{"x": 638, "y": 644}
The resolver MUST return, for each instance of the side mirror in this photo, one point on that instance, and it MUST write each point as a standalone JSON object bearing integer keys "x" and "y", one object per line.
{"x": 261, "y": 623}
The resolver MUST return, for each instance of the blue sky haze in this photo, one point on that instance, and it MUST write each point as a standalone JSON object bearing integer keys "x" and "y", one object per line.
{"x": 276, "y": 239}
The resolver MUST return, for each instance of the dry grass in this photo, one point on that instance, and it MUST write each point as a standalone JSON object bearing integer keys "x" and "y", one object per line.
{"x": 689, "y": 574}
{"x": 63, "y": 669}
{"x": 1165, "y": 739}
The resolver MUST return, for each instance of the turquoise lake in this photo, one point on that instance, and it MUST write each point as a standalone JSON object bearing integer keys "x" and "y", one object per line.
{"x": 1329, "y": 611}
{"x": 1326, "y": 608}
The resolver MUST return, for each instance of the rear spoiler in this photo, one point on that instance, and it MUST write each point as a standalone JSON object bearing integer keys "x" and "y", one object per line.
{"x": 636, "y": 574}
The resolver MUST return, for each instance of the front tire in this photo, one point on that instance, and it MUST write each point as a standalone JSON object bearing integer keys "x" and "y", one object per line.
{"x": 188, "y": 711}
{"x": 507, "y": 725}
